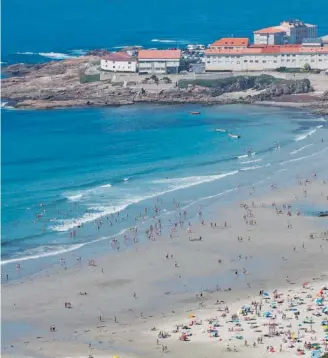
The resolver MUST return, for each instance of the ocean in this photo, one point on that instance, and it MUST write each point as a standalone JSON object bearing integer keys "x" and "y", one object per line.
{"x": 36, "y": 31}
{"x": 64, "y": 171}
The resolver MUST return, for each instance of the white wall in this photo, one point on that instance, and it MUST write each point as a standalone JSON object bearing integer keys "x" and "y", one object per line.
{"x": 158, "y": 66}
{"x": 263, "y": 62}
{"x": 118, "y": 66}
{"x": 269, "y": 39}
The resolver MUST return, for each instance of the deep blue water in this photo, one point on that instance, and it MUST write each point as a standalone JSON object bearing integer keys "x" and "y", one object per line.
{"x": 59, "y": 26}
{"x": 64, "y": 168}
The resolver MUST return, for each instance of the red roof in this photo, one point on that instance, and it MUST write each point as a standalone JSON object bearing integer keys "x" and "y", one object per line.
{"x": 270, "y": 30}
{"x": 159, "y": 54}
{"x": 282, "y": 49}
{"x": 231, "y": 41}
{"x": 119, "y": 56}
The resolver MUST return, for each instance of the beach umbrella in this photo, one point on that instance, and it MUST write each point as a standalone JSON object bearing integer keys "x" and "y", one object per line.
{"x": 191, "y": 315}
{"x": 325, "y": 310}
{"x": 265, "y": 294}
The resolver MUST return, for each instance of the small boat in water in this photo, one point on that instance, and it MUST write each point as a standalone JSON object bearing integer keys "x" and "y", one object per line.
{"x": 235, "y": 136}
{"x": 220, "y": 130}
{"x": 194, "y": 113}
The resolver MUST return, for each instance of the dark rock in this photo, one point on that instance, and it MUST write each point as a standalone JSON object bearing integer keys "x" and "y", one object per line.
{"x": 99, "y": 52}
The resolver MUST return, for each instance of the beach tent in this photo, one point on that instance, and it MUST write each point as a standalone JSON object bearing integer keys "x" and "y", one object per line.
{"x": 316, "y": 353}
{"x": 325, "y": 310}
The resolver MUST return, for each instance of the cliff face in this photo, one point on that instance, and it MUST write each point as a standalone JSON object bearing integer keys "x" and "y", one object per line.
{"x": 273, "y": 86}
{"x": 57, "y": 84}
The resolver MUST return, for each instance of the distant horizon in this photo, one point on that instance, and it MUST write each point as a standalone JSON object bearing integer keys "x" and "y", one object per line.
{"x": 49, "y": 33}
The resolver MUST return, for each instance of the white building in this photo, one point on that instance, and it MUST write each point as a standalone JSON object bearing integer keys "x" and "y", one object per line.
{"x": 118, "y": 62}
{"x": 266, "y": 58}
{"x": 297, "y": 31}
{"x": 291, "y": 32}
{"x": 324, "y": 40}
{"x": 159, "y": 61}
{"x": 274, "y": 35}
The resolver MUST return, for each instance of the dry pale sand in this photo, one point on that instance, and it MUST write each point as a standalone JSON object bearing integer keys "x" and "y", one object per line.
{"x": 168, "y": 289}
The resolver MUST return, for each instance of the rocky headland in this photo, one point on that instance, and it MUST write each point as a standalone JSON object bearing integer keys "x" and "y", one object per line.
{"x": 62, "y": 84}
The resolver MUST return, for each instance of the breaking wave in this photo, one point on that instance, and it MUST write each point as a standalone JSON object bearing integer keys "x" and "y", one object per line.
{"x": 46, "y": 251}
{"x": 251, "y": 161}
{"x": 246, "y": 155}
{"x": 80, "y": 195}
{"x": 254, "y": 167}
{"x": 164, "y": 41}
{"x": 301, "y": 158}
{"x": 300, "y": 149}
{"x": 307, "y": 134}
{"x": 101, "y": 211}
{"x": 51, "y": 55}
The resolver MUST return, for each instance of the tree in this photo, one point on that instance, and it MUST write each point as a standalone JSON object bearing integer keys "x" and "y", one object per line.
{"x": 166, "y": 80}
{"x": 307, "y": 67}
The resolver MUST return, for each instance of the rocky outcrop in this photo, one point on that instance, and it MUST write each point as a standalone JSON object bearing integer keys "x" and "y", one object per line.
{"x": 57, "y": 84}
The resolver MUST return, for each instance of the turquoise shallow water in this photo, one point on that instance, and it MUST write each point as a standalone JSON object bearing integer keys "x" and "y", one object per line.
{"x": 67, "y": 168}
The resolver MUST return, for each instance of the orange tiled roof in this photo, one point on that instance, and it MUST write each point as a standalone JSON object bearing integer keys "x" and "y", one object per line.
{"x": 231, "y": 41}
{"x": 159, "y": 54}
{"x": 270, "y": 30}
{"x": 267, "y": 50}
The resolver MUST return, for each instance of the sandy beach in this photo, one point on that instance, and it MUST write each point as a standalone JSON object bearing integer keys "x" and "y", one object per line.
{"x": 197, "y": 278}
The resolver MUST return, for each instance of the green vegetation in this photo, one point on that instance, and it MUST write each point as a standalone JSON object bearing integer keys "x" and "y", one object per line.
{"x": 240, "y": 82}
{"x": 166, "y": 80}
{"x": 306, "y": 68}
{"x": 89, "y": 78}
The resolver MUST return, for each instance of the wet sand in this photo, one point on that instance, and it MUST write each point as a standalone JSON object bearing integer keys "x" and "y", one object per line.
{"x": 168, "y": 289}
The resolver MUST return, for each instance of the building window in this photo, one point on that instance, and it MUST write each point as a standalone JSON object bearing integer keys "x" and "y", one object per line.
{"x": 245, "y": 60}
{"x": 256, "y": 61}
{"x": 263, "y": 61}
{"x": 250, "y": 60}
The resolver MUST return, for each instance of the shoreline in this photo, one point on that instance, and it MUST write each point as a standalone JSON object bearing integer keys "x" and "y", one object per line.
{"x": 56, "y": 85}
{"x": 151, "y": 285}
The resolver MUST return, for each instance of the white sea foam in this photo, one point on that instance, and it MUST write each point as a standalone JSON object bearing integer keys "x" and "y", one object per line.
{"x": 26, "y": 53}
{"x": 52, "y": 55}
{"x": 105, "y": 186}
{"x": 164, "y": 41}
{"x": 83, "y": 194}
{"x": 301, "y": 158}
{"x": 208, "y": 197}
{"x": 76, "y": 197}
{"x": 173, "y": 185}
{"x": 43, "y": 251}
{"x": 252, "y": 161}
{"x": 246, "y": 155}
{"x": 181, "y": 183}
{"x": 321, "y": 120}
{"x": 55, "y": 55}
{"x": 79, "y": 52}
{"x": 307, "y": 134}
{"x": 300, "y": 149}
{"x": 137, "y": 46}
{"x": 254, "y": 167}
